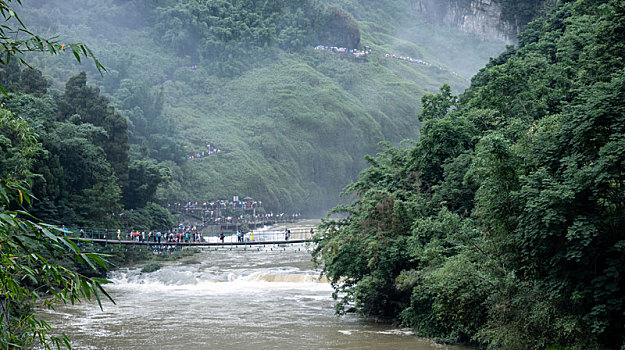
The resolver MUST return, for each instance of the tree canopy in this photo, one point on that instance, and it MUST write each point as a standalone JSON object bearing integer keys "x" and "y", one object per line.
{"x": 503, "y": 226}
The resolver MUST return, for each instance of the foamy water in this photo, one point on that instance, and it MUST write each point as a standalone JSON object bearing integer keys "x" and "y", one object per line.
{"x": 225, "y": 300}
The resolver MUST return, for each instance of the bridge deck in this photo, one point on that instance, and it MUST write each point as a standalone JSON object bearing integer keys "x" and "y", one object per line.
{"x": 189, "y": 244}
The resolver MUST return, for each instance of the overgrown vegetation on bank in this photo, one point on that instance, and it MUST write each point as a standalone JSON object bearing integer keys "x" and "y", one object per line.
{"x": 504, "y": 225}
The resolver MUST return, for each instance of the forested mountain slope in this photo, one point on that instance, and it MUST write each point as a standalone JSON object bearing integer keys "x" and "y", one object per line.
{"x": 504, "y": 225}
{"x": 292, "y": 123}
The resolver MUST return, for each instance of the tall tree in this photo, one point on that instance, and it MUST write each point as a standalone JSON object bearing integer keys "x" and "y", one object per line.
{"x": 83, "y": 104}
{"x": 145, "y": 176}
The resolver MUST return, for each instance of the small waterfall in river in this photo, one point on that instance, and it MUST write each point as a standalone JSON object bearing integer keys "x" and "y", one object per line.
{"x": 225, "y": 300}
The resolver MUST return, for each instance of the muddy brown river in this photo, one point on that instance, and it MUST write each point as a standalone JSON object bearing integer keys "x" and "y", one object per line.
{"x": 226, "y": 300}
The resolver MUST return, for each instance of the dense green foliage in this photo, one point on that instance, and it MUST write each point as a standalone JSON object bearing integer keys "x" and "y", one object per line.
{"x": 521, "y": 12}
{"x": 30, "y": 251}
{"x": 293, "y": 124}
{"x": 82, "y": 174}
{"x": 504, "y": 225}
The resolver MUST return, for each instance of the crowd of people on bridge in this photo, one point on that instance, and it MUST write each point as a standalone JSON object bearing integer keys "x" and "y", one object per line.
{"x": 216, "y": 211}
{"x": 210, "y": 150}
{"x": 229, "y": 212}
{"x": 214, "y": 217}
{"x": 212, "y": 205}
{"x": 335, "y": 49}
{"x": 178, "y": 234}
{"x": 183, "y": 235}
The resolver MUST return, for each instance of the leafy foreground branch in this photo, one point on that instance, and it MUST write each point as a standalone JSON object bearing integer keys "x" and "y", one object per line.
{"x": 16, "y": 39}
{"x": 29, "y": 251}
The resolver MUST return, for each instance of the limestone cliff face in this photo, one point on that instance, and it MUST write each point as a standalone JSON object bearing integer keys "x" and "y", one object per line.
{"x": 486, "y": 18}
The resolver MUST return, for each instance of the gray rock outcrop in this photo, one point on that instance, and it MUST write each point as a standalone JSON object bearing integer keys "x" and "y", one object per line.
{"x": 484, "y": 18}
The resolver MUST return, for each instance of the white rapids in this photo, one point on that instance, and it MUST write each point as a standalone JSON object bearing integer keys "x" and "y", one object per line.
{"x": 225, "y": 300}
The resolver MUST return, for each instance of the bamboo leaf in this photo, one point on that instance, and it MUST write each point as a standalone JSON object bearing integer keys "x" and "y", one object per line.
{"x": 95, "y": 286}
{"x": 106, "y": 293}
{"x": 86, "y": 288}
{"x": 48, "y": 234}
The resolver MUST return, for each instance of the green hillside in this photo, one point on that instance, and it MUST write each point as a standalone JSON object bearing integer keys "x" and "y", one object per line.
{"x": 293, "y": 124}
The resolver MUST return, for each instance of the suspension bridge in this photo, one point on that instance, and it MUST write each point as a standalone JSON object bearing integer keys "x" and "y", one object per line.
{"x": 257, "y": 240}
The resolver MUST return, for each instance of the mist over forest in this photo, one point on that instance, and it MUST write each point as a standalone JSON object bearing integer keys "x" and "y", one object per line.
{"x": 293, "y": 124}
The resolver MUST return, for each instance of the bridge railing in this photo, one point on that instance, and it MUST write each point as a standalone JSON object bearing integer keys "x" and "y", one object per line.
{"x": 262, "y": 236}
{"x": 230, "y": 237}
